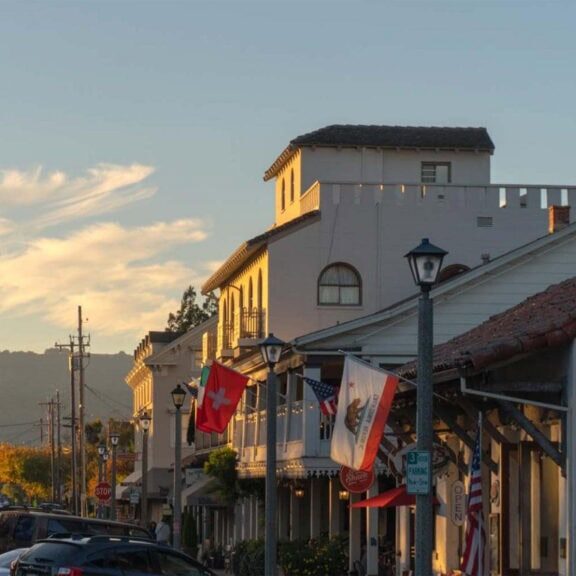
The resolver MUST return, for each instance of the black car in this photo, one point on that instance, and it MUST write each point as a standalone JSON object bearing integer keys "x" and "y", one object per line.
{"x": 21, "y": 527}
{"x": 76, "y": 555}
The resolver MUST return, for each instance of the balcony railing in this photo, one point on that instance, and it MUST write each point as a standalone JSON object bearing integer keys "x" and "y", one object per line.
{"x": 207, "y": 441}
{"x": 249, "y": 323}
{"x": 209, "y": 345}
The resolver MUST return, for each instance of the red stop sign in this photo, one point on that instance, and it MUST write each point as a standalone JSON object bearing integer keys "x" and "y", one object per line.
{"x": 103, "y": 491}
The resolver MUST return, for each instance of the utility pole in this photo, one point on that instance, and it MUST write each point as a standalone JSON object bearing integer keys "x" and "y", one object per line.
{"x": 74, "y": 450}
{"x": 77, "y": 347}
{"x": 81, "y": 413}
{"x": 50, "y": 407}
{"x": 58, "y": 451}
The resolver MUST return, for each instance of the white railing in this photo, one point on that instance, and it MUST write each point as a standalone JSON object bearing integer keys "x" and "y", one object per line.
{"x": 509, "y": 196}
{"x": 310, "y": 200}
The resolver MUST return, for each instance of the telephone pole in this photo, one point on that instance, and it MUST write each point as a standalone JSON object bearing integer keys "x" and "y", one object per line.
{"x": 81, "y": 411}
{"x": 50, "y": 406}
{"x": 77, "y": 347}
{"x": 58, "y": 450}
{"x": 73, "y": 428}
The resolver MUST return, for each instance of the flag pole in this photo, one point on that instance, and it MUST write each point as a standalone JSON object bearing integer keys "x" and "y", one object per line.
{"x": 389, "y": 372}
{"x": 481, "y": 555}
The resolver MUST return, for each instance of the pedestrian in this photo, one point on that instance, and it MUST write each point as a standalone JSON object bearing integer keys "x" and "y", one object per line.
{"x": 152, "y": 529}
{"x": 163, "y": 531}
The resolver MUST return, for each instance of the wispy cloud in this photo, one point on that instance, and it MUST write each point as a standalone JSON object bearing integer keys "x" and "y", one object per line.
{"x": 127, "y": 279}
{"x": 104, "y": 189}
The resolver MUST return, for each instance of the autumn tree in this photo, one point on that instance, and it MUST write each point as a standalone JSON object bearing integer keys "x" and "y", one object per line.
{"x": 191, "y": 313}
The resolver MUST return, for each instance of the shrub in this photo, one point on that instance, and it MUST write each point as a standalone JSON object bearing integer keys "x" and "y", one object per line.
{"x": 318, "y": 557}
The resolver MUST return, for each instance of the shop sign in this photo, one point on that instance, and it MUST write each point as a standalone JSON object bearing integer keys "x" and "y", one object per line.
{"x": 356, "y": 481}
{"x": 457, "y": 503}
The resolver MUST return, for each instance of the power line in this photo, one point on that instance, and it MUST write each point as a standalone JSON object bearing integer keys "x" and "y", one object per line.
{"x": 18, "y": 424}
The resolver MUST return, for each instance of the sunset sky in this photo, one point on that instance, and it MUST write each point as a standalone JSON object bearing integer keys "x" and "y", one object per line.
{"x": 134, "y": 134}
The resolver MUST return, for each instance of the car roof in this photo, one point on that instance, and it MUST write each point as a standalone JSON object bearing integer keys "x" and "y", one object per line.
{"x": 44, "y": 514}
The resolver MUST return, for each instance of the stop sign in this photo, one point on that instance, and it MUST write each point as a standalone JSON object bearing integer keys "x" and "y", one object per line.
{"x": 103, "y": 491}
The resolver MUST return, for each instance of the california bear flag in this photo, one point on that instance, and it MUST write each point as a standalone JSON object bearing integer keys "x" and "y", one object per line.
{"x": 364, "y": 403}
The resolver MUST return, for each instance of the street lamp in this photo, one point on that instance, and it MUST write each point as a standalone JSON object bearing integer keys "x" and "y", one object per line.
{"x": 145, "y": 421}
{"x": 178, "y": 396}
{"x": 271, "y": 350}
{"x": 114, "y": 438}
{"x": 425, "y": 263}
{"x": 101, "y": 454}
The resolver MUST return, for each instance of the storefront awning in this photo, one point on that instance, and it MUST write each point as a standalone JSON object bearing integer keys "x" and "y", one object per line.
{"x": 202, "y": 492}
{"x": 395, "y": 497}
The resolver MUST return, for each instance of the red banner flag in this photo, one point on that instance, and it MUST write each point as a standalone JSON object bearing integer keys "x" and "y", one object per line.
{"x": 223, "y": 390}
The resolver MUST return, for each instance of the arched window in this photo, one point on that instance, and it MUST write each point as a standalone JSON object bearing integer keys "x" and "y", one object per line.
{"x": 451, "y": 271}
{"x": 283, "y": 197}
{"x": 250, "y": 295}
{"x": 292, "y": 185}
{"x": 339, "y": 285}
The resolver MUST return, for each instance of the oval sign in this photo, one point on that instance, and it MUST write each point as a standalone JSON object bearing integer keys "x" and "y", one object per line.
{"x": 356, "y": 481}
{"x": 457, "y": 503}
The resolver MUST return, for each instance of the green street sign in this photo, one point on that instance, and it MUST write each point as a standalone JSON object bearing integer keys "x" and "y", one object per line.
{"x": 418, "y": 472}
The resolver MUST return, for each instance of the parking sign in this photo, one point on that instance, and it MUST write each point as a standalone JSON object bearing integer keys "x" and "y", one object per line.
{"x": 418, "y": 472}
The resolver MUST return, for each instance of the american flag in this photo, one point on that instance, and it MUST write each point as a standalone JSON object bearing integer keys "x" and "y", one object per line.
{"x": 473, "y": 559}
{"x": 192, "y": 388}
{"x": 326, "y": 394}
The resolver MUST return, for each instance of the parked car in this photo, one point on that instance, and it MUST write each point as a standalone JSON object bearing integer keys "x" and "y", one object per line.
{"x": 20, "y": 528}
{"x": 105, "y": 556}
{"x": 7, "y": 558}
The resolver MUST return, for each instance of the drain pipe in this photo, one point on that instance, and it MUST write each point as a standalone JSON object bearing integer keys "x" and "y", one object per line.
{"x": 465, "y": 390}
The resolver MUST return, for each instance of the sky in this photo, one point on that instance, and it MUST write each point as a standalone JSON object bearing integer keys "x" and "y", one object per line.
{"x": 134, "y": 135}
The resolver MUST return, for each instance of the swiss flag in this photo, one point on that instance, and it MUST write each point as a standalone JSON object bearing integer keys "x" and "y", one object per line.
{"x": 221, "y": 396}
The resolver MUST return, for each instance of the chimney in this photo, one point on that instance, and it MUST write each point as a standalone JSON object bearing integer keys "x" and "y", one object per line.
{"x": 558, "y": 218}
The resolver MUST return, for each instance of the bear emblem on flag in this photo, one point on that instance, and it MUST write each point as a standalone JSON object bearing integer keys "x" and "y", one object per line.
{"x": 354, "y": 415}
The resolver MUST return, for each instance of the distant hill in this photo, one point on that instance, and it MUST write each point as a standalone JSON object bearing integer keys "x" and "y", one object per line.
{"x": 27, "y": 378}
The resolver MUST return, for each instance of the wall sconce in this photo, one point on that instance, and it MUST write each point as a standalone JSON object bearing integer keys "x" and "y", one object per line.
{"x": 299, "y": 492}
{"x": 344, "y": 495}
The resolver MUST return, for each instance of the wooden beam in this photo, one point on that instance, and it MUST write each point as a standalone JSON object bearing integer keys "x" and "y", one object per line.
{"x": 526, "y": 386}
{"x": 453, "y": 457}
{"x": 472, "y": 410}
{"x": 451, "y": 421}
{"x": 546, "y": 445}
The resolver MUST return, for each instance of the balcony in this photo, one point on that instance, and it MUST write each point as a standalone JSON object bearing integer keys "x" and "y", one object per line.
{"x": 209, "y": 346}
{"x": 247, "y": 329}
{"x": 249, "y": 435}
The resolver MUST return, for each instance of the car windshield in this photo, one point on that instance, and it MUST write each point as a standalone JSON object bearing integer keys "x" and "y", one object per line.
{"x": 8, "y": 557}
{"x": 49, "y": 552}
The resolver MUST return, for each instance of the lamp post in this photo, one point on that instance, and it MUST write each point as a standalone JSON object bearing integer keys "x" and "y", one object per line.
{"x": 271, "y": 349}
{"x": 114, "y": 438}
{"x": 178, "y": 396}
{"x": 145, "y": 421}
{"x": 425, "y": 263}
{"x": 101, "y": 452}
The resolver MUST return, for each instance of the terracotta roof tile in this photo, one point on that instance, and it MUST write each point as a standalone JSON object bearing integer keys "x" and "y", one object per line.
{"x": 391, "y": 137}
{"x": 544, "y": 320}
{"x": 398, "y": 137}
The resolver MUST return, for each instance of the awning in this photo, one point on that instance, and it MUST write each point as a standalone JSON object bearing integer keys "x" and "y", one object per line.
{"x": 395, "y": 497}
{"x": 202, "y": 492}
{"x": 122, "y": 490}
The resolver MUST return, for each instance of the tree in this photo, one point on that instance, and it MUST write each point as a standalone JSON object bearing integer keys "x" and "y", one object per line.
{"x": 191, "y": 313}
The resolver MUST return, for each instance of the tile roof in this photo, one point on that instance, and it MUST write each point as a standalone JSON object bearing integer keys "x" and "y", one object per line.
{"x": 398, "y": 137}
{"x": 544, "y": 320}
{"x": 393, "y": 137}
